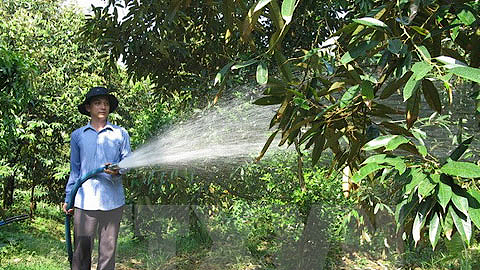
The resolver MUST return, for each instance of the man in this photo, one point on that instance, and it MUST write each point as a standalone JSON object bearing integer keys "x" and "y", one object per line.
{"x": 99, "y": 202}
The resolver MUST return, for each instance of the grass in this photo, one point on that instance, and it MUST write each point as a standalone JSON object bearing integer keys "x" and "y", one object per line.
{"x": 38, "y": 244}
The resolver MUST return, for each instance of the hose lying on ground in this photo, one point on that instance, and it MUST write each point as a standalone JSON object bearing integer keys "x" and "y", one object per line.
{"x": 13, "y": 219}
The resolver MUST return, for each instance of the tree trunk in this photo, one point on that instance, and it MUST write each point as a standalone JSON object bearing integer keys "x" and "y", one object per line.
{"x": 33, "y": 203}
{"x": 8, "y": 189}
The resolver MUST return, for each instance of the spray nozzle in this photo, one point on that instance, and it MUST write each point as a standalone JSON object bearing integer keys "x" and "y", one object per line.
{"x": 113, "y": 167}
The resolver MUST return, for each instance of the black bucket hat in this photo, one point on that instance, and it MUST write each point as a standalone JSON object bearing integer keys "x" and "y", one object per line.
{"x": 95, "y": 92}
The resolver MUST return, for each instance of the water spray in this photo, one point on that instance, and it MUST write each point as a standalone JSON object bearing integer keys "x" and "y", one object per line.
{"x": 223, "y": 135}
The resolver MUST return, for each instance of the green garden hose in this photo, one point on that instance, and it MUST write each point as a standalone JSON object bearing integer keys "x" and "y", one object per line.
{"x": 71, "y": 201}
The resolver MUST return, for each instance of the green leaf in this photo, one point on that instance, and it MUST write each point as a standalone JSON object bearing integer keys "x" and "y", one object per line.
{"x": 425, "y": 187}
{"x": 466, "y": 17}
{"x": 394, "y": 85}
{"x": 450, "y": 62}
{"x": 458, "y": 152}
{"x": 360, "y": 50}
{"x": 367, "y": 90}
{"x": 474, "y": 206}
{"x": 462, "y": 223}
{"x": 444, "y": 194}
{"x": 267, "y": 144}
{"x": 262, "y": 73}
{"x": 394, "y": 143}
{"x": 420, "y": 219}
{"x": 380, "y": 158}
{"x": 421, "y": 69}
{"x": 396, "y": 162}
{"x": 424, "y": 52}
{"x": 469, "y": 73}
{"x": 434, "y": 230}
{"x": 368, "y": 21}
{"x": 395, "y": 46}
{"x": 366, "y": 170}
{"x": 244, "y": 64}
{"x": 318, "y": 148}
{"x": 403, "y": 210}
{"x": 431, "y": 95}
{"x": 270, "y": 100}
{"x": 378, "y": 142}
{"x": 448, "y": 225}
{"x": 410, "y": 88}
{"x": 420, "y": 30}
{"x": 288, "y": 6}
{"x": 461, "y": 169}
{"x": 222, "y": 73}
{"x": 261, "y": 4}
{"x": 349, "y": 96}
{"x": 416, "y": 178}
{"x": 460, "y": 202}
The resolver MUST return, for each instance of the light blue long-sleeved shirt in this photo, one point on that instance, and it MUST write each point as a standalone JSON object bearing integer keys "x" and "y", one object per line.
{"x": 90, "y": 150}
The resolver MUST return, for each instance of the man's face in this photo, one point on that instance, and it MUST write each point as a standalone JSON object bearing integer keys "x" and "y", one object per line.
{"x": 99, "y": 108}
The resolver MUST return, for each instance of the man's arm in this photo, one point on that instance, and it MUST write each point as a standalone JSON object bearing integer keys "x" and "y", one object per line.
{"x": 74, "y": 170}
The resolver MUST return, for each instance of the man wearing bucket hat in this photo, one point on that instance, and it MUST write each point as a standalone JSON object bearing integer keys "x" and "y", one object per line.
{"x": 99, "y": 202}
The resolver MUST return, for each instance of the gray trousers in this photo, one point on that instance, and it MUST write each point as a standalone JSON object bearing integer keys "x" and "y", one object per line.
{"x": 88, "y": 223}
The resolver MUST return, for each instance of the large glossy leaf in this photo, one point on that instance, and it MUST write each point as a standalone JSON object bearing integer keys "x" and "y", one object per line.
{"x": 318, "y": 148}
{"x": 426, "y": 187}
{"x": 421, "y": 69}
{"x": 222, "y": 73}
{"x": 288, "y": 6}
{"x": 431, "y": 95}
{"x": 262, "y": 73}
{"x": 469, "y": 73}
{"x": 434, "y": 230}
{"x": 372, "y": 22}
{"x": 367, "y": 90}
{"x": 380, "y": 158}
{"x": 366, "y": 170}
{"x": 460, "y": 201}
{"x": 261, "y": 4}
{"x": 395, "y": 85}
{"x": 474, "y": 206}
{"x": 270, "y": 100}
{"x": 395, "y": 46}
{"x": 378, "y": 142}
{"x": 461, "y": 169}
{"x": 444, "y": 194}
{"x": 466, "y": 17}
{"x": 420, "y": 219}
{"x": 462, "y": 223}
{"x": 244, "y": 64}
{"x": 410, "y": 87}
{"x": 458, "y": 152}
{"x": 448, "y": 225}
{"x": 417, "y": 176}
{"x": 450, "y": 62}
{"x": 413, "y": 108}
{"x": 358, "y": 51}
{"x": 397, "y": 162}
{"x": 267, "y": 145}
{"x": 403, "y": 210}
{"x": 349, "y": 96}
{"x": 395, "y": 142}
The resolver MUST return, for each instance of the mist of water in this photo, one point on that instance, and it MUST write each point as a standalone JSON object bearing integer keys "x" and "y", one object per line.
{"x": 233, "y": 132}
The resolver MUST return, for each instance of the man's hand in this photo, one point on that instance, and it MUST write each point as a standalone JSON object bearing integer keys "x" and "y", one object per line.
{"x": 109, "y": 171}
{"x": 69, "y": 212}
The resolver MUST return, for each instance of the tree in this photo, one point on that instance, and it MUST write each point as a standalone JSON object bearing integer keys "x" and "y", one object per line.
{"x": 328, "y": 95}
{"x": 39, "y": 104}
{"x": 15, "y": 93}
